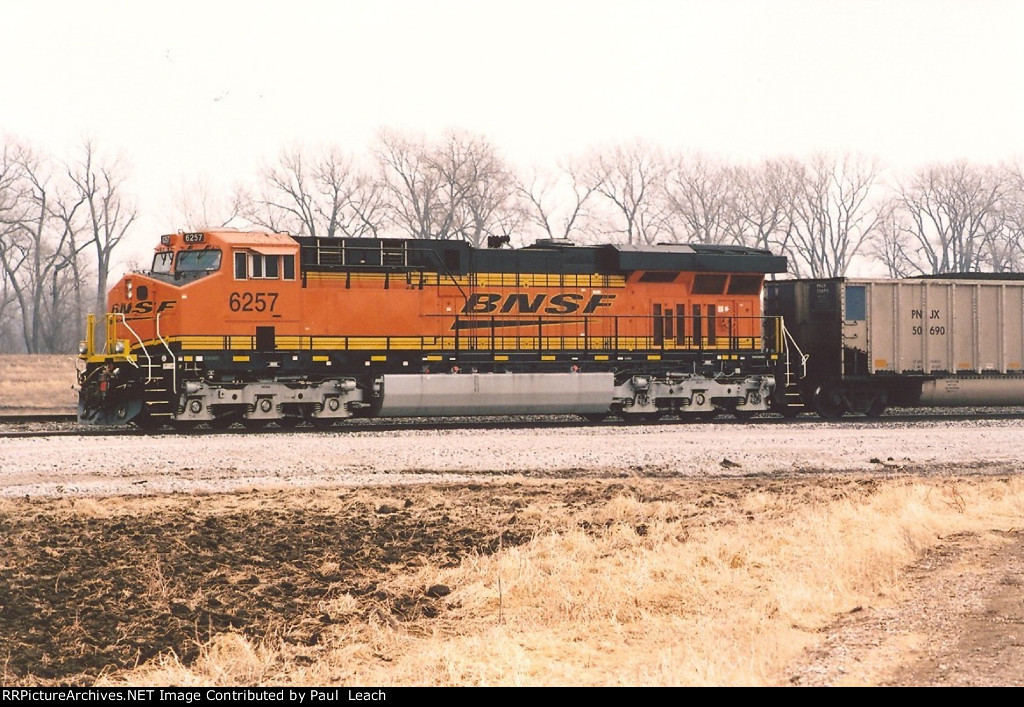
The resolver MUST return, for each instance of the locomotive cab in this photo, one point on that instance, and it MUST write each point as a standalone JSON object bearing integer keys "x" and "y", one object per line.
{"x": 136, "y": 354}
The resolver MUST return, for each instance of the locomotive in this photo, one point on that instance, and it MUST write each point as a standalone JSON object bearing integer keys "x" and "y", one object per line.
{"x": 254, "y": 328}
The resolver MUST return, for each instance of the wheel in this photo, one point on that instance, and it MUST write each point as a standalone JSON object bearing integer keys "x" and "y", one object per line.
{"x": 829, "y": 402}
{"x": 254, "y": 424}
{"x": 223, "y": 422}
{"x": 638, "y": 417}
{"x": 788, "y": 411}
{"x": 877, "y": 407}
{"x": 689, "y": 417}
{"x": 146, "y": 422}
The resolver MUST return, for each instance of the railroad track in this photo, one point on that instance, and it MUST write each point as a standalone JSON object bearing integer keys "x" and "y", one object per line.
{"x": 19, "y": 426}
{"x": 56, "y": 418}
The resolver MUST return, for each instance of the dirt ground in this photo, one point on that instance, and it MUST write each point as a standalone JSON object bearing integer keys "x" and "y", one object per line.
{"x": 113, "y": 582}
{"x": 962, "y": 625}
{"x": 123, "y": 549}
{"x": 130, "y": 578}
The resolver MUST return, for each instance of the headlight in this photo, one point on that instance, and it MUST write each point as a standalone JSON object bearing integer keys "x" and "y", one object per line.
{"x": 119, "y": 347}
{"x": 83, "y": 348}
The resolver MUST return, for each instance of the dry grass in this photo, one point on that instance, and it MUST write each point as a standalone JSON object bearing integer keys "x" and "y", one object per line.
{"x": 629, "y": 592}
{"x": 721, "y": 583}
{"x": 37, "y": 384}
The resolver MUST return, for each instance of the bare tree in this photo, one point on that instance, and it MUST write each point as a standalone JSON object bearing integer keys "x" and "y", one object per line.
{"x": 35, "y": 251}
{"x": 457, "y": 188}
{"x": 108, "y": 212}
{"x": 631, "y": 180}
{"x": 949, "y": 213}
{"x": 412, "y": 185}
{"x": 557, "y": 202}
{"x": 834, "y": 214}
{"x": 1013, "y": 217}
{"x": 702, "y": 198}
{"x": 199, "y": 205}
{"x": 893, "y": 248}
{"x": 323, "y": 195}
{"x": 763, "y": 202}
{"x": 12, "y": 215}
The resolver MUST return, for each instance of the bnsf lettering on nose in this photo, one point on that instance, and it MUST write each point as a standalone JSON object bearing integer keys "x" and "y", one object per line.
{"x": 562, "y": 303}
{"x": 141, "y": 307}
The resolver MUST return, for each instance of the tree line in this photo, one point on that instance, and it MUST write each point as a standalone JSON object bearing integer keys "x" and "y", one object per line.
{"x": 60, "y": 223}
{"x": 61, "y": 220}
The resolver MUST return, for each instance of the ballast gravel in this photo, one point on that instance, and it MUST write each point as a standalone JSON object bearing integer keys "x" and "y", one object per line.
{"x": 167, "y": 463}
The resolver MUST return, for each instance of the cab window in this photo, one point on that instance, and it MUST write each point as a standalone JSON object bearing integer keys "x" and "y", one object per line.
{"x": 162, "y": 262}
{"x": 197, "y": 261}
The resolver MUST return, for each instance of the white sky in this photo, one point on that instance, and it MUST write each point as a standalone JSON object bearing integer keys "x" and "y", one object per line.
{"x": 212, "y": 88}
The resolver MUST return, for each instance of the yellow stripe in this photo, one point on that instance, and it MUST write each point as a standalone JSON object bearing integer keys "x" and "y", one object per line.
{"x": 500, "y": 357}
{"x": 547, "y": 358}
{"x": 448, "y": 343}
{"x": 240, "y": 359}
{"x": 321, "y": 359}
{"x": 478, "y": 279}
{"x": 378, "y": 358}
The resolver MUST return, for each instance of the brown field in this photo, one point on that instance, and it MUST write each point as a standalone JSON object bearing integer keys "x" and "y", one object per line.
{"x": 37, "y": 385}
{"x": 812, "y": 579}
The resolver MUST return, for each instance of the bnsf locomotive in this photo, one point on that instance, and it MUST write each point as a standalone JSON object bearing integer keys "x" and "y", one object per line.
{"x": 254, "y": 328}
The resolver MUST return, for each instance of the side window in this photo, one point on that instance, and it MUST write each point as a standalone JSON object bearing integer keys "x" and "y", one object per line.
{"x": 257, "y": 266}
{"x": 270, "y": 266}
{"x": 264, "y": 267}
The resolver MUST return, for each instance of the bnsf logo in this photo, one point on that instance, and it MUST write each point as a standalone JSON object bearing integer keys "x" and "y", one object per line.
{"x": 142, "y": 307}
{"x": 562, "y": 303}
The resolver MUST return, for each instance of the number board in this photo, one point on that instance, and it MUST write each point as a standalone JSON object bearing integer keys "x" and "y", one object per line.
{"x": 192, "y": 237}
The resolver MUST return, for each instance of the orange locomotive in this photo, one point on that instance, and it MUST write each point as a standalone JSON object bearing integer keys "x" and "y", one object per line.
{"x": 231, "y": 327}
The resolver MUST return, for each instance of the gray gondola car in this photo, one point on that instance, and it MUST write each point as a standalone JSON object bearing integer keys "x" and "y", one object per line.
{"x": 949, "y": 341}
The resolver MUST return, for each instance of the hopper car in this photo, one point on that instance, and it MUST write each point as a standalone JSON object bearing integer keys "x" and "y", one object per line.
{"x": 936, "y": 341}
{"x": 254, "y": 328}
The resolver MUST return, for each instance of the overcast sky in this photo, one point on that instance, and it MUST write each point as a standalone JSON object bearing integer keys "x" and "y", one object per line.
{"x": 212, "y": 88}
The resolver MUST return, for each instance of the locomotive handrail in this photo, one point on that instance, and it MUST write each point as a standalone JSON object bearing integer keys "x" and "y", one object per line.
{"x": 174, "y": 361}
{"x": 787, "y": 337}
{"x": 446, "y": 271}
{"x": 149, "y": 364}
{"x": 615, "y": 331}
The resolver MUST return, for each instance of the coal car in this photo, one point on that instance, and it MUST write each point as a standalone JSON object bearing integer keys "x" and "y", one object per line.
{"x": 948, "y": 341}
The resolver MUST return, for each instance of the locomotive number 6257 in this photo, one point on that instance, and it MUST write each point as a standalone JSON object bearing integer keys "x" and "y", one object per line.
{"x": 252, "y": 301}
